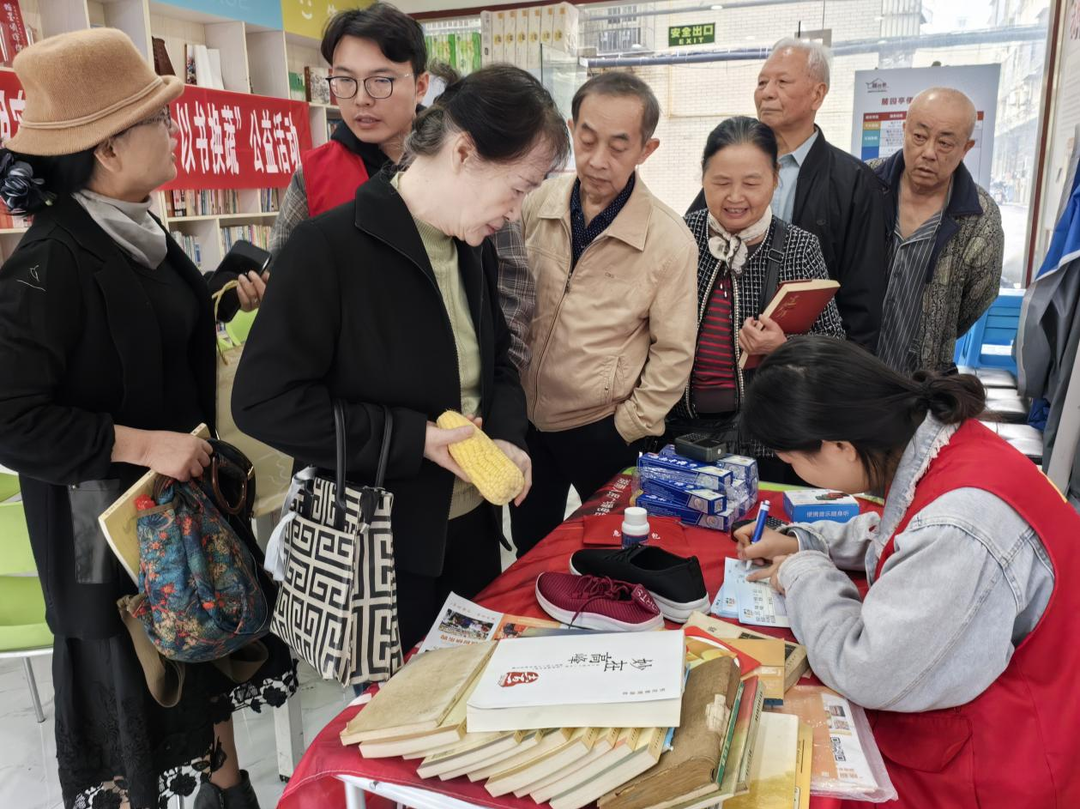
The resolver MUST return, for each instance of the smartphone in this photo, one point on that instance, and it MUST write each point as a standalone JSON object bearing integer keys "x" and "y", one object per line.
{"x": 703, "y": 447}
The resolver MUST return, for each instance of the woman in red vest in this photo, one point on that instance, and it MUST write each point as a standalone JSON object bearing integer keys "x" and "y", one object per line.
{"x": 963, "y": 646}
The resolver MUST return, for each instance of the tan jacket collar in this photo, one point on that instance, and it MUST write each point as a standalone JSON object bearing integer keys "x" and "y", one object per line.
{"x": 630, "y": 226}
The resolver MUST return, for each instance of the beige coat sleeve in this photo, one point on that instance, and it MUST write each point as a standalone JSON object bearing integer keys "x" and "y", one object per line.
{"x": 673, "y": 332}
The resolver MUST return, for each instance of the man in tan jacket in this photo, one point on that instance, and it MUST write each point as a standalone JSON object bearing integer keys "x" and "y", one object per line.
{"x": 612, "y": 336}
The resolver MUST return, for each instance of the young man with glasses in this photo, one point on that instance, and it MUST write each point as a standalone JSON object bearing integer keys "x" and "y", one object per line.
{"x": 378, "y": 62}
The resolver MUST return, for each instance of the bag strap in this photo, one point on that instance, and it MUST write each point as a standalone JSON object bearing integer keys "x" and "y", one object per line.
{"x": 340, "y": 456}
{"x": 217, "y": 296}
{"x": 384, "y": 451}
{"x": 774, "y": 257}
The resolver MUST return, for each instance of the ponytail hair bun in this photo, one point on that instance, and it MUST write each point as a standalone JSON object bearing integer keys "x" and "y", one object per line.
{"x": 951, "y": 399}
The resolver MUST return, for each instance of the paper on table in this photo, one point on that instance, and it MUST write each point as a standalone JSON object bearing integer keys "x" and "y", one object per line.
{"x": 725, "y": 605}
{"x": 758, "y": 604}
{"x": 461, "y": 621}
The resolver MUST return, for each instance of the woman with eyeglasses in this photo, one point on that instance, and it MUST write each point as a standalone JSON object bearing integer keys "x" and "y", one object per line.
{"x": 107, "y": 342}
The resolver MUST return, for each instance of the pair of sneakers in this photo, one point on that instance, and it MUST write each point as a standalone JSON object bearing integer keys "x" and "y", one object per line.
{"x": 629, "y": 589}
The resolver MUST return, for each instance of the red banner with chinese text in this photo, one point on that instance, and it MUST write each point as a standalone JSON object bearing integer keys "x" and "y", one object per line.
{"x": 236, "y": 140}
{"x": 12, "y": 104}
{"x": 227, "y": 140}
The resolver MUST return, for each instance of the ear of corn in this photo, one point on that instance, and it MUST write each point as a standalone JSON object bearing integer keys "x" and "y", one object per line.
{"x": 493, "y": 473}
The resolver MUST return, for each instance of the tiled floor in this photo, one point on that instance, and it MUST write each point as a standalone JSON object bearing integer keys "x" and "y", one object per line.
{"x": 28, "y": 777}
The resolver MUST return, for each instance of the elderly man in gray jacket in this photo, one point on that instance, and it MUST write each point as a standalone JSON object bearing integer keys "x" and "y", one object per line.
{"x": 944, "y": 255}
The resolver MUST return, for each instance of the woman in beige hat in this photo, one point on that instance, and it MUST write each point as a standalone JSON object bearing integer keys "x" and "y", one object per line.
{"x": 107, "y": 355}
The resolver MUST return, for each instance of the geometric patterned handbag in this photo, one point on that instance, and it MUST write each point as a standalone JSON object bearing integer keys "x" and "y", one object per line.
{"x": 337, "y": 607}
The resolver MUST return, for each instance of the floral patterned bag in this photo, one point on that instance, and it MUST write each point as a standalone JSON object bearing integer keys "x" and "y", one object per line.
{"x": 199, "y": 596}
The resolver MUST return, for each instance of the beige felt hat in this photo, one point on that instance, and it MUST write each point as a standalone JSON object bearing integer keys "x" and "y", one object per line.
{"x": 82, "y": 88}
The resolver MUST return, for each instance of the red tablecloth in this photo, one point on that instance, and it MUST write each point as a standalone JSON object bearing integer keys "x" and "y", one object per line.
{"x": 313, "y": 785}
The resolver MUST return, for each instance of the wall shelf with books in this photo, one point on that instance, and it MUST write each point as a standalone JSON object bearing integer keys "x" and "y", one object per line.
{"x": 238, "y": 56}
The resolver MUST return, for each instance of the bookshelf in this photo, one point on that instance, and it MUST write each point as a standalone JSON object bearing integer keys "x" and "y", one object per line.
{"x": 254, "y": 59}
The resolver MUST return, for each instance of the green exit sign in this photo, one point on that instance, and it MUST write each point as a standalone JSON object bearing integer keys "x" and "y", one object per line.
{"x": 681, "y": 35}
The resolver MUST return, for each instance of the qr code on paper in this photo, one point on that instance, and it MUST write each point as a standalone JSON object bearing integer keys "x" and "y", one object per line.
{"x": 837, "y": 749}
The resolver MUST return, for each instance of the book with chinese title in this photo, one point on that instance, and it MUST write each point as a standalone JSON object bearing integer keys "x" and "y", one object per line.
{"x": 574, "y": 681}
{"x": 795, "y": 308}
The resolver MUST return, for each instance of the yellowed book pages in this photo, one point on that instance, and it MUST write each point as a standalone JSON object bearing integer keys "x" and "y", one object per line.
{"x": 118, "y": 521}
{"x": 795, "y": 661}
{"x": 547, "y": 740}
{"x": 420, "y": 696}
{"x": 803, "y": 765}
{"x": 521, "y": 777}
{"x": 647, "y": 750}
{"x": 604, "y": 745}
{"x": 497, "y": 754}
{"x": 472, "y": 747}
{"x": 449, "y": 733}
{"x": 773, "y": 774}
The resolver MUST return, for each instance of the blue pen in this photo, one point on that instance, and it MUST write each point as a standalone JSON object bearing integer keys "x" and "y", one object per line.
{"x": 759, "y": 527}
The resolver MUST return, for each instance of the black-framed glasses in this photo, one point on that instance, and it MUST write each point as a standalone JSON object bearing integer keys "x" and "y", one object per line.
{"x": 377, "y": 87}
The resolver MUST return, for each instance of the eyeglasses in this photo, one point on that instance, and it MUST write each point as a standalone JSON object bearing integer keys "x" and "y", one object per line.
{"x": 162, "y": 116}
{"x": 377, "y": 87}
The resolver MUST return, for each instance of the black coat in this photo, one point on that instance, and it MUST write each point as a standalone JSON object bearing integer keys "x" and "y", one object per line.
{"x": 840, "y": 200}
{"x": 80, "y": 351}
{"x": 354, "y": 313}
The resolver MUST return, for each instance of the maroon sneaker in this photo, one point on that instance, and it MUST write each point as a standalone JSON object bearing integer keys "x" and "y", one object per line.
{"x": 594, "y": 602}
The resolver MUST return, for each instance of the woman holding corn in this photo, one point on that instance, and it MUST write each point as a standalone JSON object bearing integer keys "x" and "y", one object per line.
{"x": 391, "y": 301}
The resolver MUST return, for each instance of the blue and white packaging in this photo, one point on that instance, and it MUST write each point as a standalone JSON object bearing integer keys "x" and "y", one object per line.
{"x": 654, "y": 466}
{"x": 686, "y": 496}
{"x": 741, "y": 468}
{"x": 812, "y": 505}
{"x": 662, "y": 508}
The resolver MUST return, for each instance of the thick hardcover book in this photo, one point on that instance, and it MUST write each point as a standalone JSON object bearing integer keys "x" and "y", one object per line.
{"x": 795, "y": 308}
{"x": 695, "y": 763}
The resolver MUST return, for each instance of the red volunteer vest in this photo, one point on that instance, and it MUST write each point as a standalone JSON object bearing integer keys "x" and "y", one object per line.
{"x": 1018, "y": 743}
{"x": 331, "y": 176}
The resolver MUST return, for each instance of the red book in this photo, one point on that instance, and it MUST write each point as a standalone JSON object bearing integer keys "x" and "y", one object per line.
{"x": 795, "y": 308}
{"x": 12, "y": 31}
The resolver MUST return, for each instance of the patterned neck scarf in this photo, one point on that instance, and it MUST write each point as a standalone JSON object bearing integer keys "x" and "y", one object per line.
{"x": 731, "y": 248}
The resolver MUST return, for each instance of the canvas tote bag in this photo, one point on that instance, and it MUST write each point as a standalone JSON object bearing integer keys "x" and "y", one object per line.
{"x": 337, "y": 607}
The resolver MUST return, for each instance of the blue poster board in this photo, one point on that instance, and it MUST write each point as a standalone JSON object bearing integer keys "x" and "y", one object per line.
{"x": 257, "y": 12}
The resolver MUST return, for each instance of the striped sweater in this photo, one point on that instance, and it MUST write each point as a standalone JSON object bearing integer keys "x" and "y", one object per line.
{"x": 802, "y": 260}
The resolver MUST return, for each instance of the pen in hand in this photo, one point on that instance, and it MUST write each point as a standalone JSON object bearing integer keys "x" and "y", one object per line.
{"x": 759, "y": 527}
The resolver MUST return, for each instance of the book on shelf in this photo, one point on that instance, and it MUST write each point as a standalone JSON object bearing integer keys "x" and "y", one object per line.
{"x": 13, "y": 221}
{"x": 13, "y": 32}
{"x": 796, "y": 662}
{"x": 696, "y": 760}
{"x": 258, "y": 235}
{"x": 331, "y": 124}
{"x": 190, "y": 69}
{"x": 163, "y": 65}
{"x": 581, "y": 680}
{"x": 270, "y": 200}
{"x": 297, "y": 86}
{"x": 206, "y": 202}
{"x": 648, "y": 744}
{"x": 318, "y": 88}
{"x": 795, "y": 308}
{"x": 190, "y": 245}
{"x": 418, "y": 699}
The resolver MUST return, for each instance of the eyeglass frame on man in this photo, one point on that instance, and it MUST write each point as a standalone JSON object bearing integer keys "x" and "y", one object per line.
{"x": 357, "y": 82}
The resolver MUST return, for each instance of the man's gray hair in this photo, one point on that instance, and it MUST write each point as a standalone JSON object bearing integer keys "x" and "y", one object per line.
{"x": 818, "y": 57}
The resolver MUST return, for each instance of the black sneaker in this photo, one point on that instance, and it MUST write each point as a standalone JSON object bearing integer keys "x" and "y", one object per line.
{"x": 675, "y": 582}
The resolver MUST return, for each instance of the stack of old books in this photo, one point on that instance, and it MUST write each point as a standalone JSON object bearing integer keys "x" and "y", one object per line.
{"x": 572, "y": 719}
